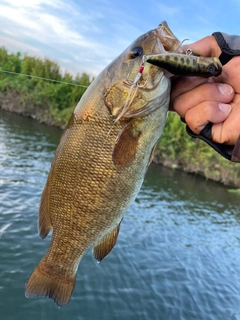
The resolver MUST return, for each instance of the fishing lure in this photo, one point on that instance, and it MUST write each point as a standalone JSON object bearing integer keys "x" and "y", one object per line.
{"x": 186, "y": 64}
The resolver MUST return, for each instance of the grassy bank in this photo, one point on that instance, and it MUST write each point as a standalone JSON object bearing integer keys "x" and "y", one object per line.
{"x": 178, "y": 150}
{"x": 45, "y": 101}
{"x": 53, "y": 103}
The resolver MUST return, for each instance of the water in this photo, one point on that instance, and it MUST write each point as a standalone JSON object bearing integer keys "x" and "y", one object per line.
{"x": 177, "y": 256}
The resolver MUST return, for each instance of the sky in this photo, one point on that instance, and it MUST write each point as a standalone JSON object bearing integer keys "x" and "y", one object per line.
{"x": 86, "y": 35}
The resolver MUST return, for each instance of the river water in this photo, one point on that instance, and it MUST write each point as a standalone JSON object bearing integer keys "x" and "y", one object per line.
{"x": 177, "y": 255}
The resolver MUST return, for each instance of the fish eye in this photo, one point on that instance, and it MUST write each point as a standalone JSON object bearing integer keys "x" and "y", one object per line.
{"x": 211, "y": 69}
{"x": 135, "y": 52}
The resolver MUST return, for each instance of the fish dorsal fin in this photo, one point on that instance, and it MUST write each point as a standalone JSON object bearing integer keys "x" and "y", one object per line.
{"x": 44, "y": 220}
{"x": 106, "y": 244}
{"x": 125, "y": 147}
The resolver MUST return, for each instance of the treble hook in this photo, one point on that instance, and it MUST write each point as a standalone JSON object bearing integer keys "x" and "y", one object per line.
{"x": 135, "y": 83}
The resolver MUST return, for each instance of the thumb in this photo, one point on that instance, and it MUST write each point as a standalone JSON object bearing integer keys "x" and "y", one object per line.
{"x": 207, "y": 47}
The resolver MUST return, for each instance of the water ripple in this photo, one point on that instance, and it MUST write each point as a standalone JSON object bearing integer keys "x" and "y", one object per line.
{"x": 177, "y": 256}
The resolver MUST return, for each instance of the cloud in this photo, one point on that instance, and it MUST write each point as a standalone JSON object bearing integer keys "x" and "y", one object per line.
{"x": 84, "y": 36}
{"x": 22, "y": 47}
{"x": 168, "y": 11}
{"x": 34, "y": 4}
{"x": 63, "y": 31}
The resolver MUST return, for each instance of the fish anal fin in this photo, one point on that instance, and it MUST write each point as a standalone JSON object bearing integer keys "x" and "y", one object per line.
{"x": 106, "y": 244}
{"x": 43, "y": 283}
{"x": 125, "y": 147}
{"x": 44, "y": 219}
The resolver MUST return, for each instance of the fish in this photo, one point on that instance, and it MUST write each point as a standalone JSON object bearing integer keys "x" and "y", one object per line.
{"x": 187, "y": 65}
{"x": 100, "y": 163}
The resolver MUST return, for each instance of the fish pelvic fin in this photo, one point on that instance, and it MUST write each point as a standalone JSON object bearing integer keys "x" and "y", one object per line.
{"x": 106, "y": 244}
{"x": 43, "y": 283}
{"x": 44, "y": 220}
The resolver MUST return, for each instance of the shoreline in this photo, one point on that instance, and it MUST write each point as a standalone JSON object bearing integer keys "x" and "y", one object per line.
{"x": 209, "y": 172}
{"x": 53, "y": 103}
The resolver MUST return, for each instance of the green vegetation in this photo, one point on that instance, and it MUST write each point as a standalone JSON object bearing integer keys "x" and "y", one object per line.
{"x": 176, "y": 149}
{"x": 46, "y": 101}
{"x": 53, "y": 103}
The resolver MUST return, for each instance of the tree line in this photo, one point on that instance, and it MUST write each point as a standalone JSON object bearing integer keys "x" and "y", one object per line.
{"x": 50, "y": 102}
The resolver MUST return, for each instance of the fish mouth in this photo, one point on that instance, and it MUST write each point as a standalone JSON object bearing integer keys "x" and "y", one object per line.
{"x": 145, "y": 86}
{"x": 167, "y": 41}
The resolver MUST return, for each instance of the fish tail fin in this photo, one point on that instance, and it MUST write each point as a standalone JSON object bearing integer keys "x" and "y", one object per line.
{"x": 43, "y": 283}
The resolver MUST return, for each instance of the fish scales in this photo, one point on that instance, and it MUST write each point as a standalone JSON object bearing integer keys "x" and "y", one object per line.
{"x": 100, "y": 163}
{"x": 109, "y": 189}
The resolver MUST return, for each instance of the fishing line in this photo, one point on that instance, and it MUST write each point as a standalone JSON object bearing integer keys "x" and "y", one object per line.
{"x": 133, "y": 86}
{"x": 41, "y": 78}
{"x": 128, "y": 101}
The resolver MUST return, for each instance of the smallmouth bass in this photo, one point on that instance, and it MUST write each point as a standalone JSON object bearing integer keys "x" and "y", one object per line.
{"x": 100, "y": 163}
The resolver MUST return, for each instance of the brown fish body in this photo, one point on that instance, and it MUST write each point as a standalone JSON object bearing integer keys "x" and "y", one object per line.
{"x": 100, "y": 164}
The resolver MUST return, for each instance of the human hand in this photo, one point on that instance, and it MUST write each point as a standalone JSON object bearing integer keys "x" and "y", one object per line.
{"x": 217, "y": 100}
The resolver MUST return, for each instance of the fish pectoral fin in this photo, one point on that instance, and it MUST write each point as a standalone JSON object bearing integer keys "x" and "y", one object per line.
{"x": 106, "y": 244}
{"x": 126, "y": 146}
{"x": 151, "y": 156}
{"x": 44, "y": 219}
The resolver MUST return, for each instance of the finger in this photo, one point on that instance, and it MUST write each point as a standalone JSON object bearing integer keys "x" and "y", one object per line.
{"x": 181, "y": 85}
{"x": 231, "y": 74}
{"x": 205, "y": 92}
{"x": 208, "y": 111}
{"x": 207, "y": 47}
{"x": 229, "y": 130}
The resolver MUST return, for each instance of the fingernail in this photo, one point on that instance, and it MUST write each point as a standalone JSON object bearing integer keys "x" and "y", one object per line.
{"x": 225, "y": 89}
{"x": 226, "y": 108}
